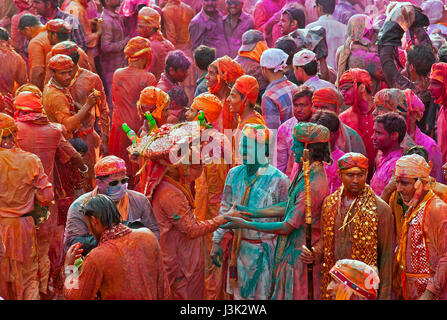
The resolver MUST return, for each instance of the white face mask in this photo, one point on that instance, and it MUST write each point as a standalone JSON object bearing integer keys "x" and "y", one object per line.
{"x": 116, "y": 193}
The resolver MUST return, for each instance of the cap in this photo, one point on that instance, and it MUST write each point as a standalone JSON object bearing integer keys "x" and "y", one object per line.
{"x": 303, "y": 57}
{"x": 250, "y": 38}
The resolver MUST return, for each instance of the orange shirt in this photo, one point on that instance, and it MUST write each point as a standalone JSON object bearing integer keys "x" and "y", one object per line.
{"x": 14, "y": 70}
{"x": 38, "y": 49}
{"x": 129, "y": 267}
{"x": 22, "y": 181}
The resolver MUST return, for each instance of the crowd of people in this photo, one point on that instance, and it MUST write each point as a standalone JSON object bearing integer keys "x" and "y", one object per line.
{"x": 223, "y": 149}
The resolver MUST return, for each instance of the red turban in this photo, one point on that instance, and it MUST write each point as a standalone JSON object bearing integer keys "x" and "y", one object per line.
{"x": 30, "y": 88}
{"x": 228, "y": 71}
{"x": 209, "y": 104}
{"x": 328, "y": 96}
{"x": 64, "y": 47}
{"x": 249, "y": 87}
{"x": 352, "y": 160}
{"x": 28, "y": 101}
{"x": 109, "y": 165}
{"x": 60, "y": 62}
{"x": 355, "y": 76}
{"x": 58, "y": 26}
{"x": 439, "y": 73}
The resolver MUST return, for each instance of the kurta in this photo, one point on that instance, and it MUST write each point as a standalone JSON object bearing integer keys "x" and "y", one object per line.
{"x": 82, "y": 85}
{"x": 14, "y": 71}
{"x": 255, "y": 258}
{"x": 128, "y": 267}
{"x": 289, "y": 272}
{"x": 384, "y": 171}
{"x": 38, "y": 49}
{"x": 127, "y": 85}
{"x": 181, "y": 242}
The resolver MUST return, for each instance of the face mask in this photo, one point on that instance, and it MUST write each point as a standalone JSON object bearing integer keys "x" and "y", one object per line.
{"x": 116, "y": 193}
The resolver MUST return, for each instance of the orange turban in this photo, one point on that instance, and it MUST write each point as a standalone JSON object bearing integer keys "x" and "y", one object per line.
{"x": 137, "y": 47}
{"x": 439, "y": 73}
{"x": 153, "y": 96}
{"x": 358, "y": 276}
{"x": 58, "y": 26}
{"x": 60, "y": 62}
{"x": 352, "y": 160}
{"x": 328, "y": 96}
{"x": 7, "y": 125}
{"x": 249, "y": 87}
{"x": 28, "y": 101}
{"x": 150, "y": 16}
{"x": 309, "y": 133}
{"x": 412, "y": 166}
{"x": 209, "y": 104}
{"x": 30, "y": 88}
{"x": 228, "y": 71}
{"x": 109, "y": 165}
{"x": 64, "y": 47}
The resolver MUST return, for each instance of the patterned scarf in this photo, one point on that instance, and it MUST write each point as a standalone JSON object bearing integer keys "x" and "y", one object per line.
{"x": 363, "y": 218}
{"x": 117, "y": 231}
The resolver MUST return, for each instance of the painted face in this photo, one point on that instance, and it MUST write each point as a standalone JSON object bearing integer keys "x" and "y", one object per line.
{"x": 348, "y": 93}
{"x": 27, "y": 32}
{"x": 302, "y": 108}
{"x": 297, "y": 149}
{"x": 41, "y": 7}
{"x": 63, "y": 77}
{"x": 405, "y": 187}
{"x": 191, "y": 114}
{"x": 178, "y": 75}
{"x": 209, "y": 6}
{"x": 354, "y": 179}
{"x": 235, "y": 100}
{"x": 285, "y": 24}
{"x": 381, "y": 138}
{"x": 234, "y": 7}
{"x": 325, "y": 106}
{"x": 211, "y": 77}
{"x": 436, "y": 89}
{"x": 145, "y": 30}
{"x": 111, "y": 181}
{"x": 148, "y": 108}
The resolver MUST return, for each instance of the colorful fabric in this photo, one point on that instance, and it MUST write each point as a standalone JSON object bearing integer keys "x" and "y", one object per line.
{"x": 138, "y": 47}
{"x": 414, "y": 104}
{"x": 412, "y": 166}
{"x": 109, "y": 165}
{"x": 256, "y": 132}
{"x": 274, "y": 59}
{"x": 30, "y": 88}
{"x": 356, "y": 76}
{"x": 58, "y": 26}
{"x": 28, "y": 101}
{"x": 64, "y": 47}
{"x": 60, "y": 62}
{"x": 439, "y": 73}
{"x": 209, "y": 104}
{"x": 150, "y": 16}
{"x": 228, "y": 70}
{"x": 153, "y": 97}
{"x": 328, "y": 96}
{"x": 358, "y": 276}
{"x": 353, "y": 160}
{"x": 333, "y": 178}
{"x": 358, "y": 26}
{"x": 303, "y": 57}
{"x": 14, "y": 72}
{"x": 393, "y": 99}
{"x": 309, "y": 133}
{"x": 248, "y": 87}
{"x": 256, "y": 53}
{"x": 277, "y": 102}
{"x": 384, "y": 171}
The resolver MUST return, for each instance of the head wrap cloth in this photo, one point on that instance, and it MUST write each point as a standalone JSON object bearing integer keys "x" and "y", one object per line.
{"x": 328, "y": 96}
{"x": 137, "y": 47}
{"x": 248, "y": 86}
{"x": 60, "y": 62}
{"x": 209, "y": 104}
{"x": 153, "y": 96}
{"x": 355, "y": 76}
{"x": 309, "y": 133}
{"x": 7, "y": 126}
{"x": 352, "y": 160}
{"x": 228, "y": 71}
{"x": 109, "y": 165}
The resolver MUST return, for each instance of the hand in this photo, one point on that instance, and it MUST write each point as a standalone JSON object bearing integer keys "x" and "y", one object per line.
{"x": 235, "y": 222}
{"x": 74, "y": 253}
{"x": 99, "y": 24}
{"x": 246, "y": 212}
{"x": 233, "y": 211}
{"x": 92, "y": 100}
{"x": 216, "y": 254}
{"x": 307, "y": 256}
{"x": 391, "y": 186}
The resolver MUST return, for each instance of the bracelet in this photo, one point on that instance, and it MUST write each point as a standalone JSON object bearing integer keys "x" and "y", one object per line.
{"x": 85, "y": 169}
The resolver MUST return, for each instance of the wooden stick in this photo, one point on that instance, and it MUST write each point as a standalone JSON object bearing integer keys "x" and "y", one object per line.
{"x": 308, "y": 220}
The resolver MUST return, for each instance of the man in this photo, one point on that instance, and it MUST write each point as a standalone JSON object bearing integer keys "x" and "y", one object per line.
{"x": 355, "y": 86}
{"x": 389, "y": 131}
{"x": 266, "y": 14}
{"x": 438, "y": 91}
{"x": 277, "y": 98}
{"x": 344, "y": 9}
{"x": 249, "y": 55}
{"x": 38, "y": 47}
{"x": 236, "y": 23}
{"x": 126, "y": 265}
{"x": 302, "y": 112}
{"x": 83, "y": 82}
{"x": 222, "y": 74}
{"x": 288, "y": 280}
{"x": 111, "y": 180}
{"x": 149, "y": 27}
{"x": 356, "y": 224}
{"x": 57, "y": 100}
{"x": 203, "y": 57}
{"x": 291, "y": 19}
{"x": 45, "y": 139}
{"x": 290, "y": 47}
{"x": 69, "y": 46}
{"x": 305, "y": 67}
{"x": 127, "y": 85}
{"x": 18, "y": 40}
{"x": 176, "y": 111}
{"x": 250, "y": 280}
{"x": 423, "y": 237}
{"x": 154, "y": 101}
{"x": 49, "y": 10}
{"x": 21, "y": 190}
{"x": 14, "y": 72}
{"x": 175, "y": 71}
{"x": 335, "y": 31}
{"x": 111, "y": 46}
{"x": 330, "y": 99}
{"x": 207, "y": 28}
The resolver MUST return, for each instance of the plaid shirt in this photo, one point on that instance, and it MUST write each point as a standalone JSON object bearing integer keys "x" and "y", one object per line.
{"x": 277, "y": 102}
{"x": 77, "y": 33}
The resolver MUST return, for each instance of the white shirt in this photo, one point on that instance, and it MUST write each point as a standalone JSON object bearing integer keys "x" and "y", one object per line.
{"x": 316, "y": 83}
{"x": 336, "y": 34}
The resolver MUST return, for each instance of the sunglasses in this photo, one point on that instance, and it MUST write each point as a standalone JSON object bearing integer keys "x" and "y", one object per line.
{"x": 233, "y": 3}
{"x": 115, "y": 182}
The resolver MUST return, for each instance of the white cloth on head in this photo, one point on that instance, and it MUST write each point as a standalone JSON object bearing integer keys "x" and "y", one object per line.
{"x": 303, "y": 57}
{"x": 275, "y": 59}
